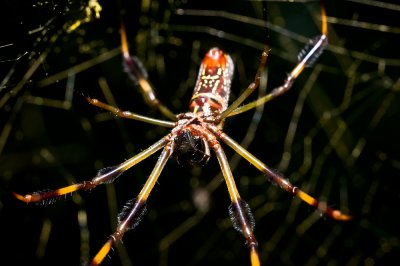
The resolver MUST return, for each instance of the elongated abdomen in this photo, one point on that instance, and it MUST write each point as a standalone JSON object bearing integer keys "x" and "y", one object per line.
{"x": 213, "y": 86}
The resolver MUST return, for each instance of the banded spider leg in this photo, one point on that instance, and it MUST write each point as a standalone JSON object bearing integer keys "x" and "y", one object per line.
{"x": 193, "y": 135}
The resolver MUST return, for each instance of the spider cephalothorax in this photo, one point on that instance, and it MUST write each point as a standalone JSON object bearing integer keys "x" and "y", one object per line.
{"x": 190, "y": 149}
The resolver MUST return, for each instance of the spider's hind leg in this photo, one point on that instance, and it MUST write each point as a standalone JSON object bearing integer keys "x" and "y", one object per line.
{"x": 138, "y": 74}
{"x": 306, "y": 58}
{"x": 129, "y": 115}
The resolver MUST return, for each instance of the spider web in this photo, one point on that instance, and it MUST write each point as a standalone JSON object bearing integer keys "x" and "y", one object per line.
{"x": 335, "y": 134}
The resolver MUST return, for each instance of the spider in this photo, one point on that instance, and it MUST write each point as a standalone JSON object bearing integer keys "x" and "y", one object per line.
{"x": 194, "y": 134}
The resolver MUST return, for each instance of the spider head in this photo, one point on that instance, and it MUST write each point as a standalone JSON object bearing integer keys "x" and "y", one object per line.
{"x": 190, "y": 149}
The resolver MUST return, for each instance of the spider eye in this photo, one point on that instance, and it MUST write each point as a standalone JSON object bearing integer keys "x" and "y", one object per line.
{"x": 190, "y": 150}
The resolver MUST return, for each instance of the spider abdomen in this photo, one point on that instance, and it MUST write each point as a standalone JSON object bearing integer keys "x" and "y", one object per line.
{"x": 213, "y": 85}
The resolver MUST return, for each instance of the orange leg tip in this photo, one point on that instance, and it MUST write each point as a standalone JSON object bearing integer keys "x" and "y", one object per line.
{"x": 101, "y": 254}
{"x": 307, "y": 198}
{"x": 338, "y": 215}
{"x": 26, "y": 198}
{"x": 255, "y": 261}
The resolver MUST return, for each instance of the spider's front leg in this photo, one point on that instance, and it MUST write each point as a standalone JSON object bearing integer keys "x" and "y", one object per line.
{"x": 239, "y": 211}
{"x": 134, "y": 210}
{"x": 279, "y": 179}
{"x": 106, "y": 175}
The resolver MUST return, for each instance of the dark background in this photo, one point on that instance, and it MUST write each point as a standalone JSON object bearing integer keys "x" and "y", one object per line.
{"x": 335, "y": 134}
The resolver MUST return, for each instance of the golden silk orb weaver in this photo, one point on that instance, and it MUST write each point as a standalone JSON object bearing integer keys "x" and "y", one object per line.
{"x": 194, "y": 136}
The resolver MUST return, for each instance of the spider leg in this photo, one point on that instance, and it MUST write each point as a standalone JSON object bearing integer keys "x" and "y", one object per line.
{"x": 127, "y": 114}
{"x": 249, "y": 90}
{"x": 306, "y": 57}
{"x": 106, "y": 175}
{"x": 132, "y": 213}
{"x": 136, "y": 71}
{"x": 279, "y": 179}
{"x": 240, "y": 213}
